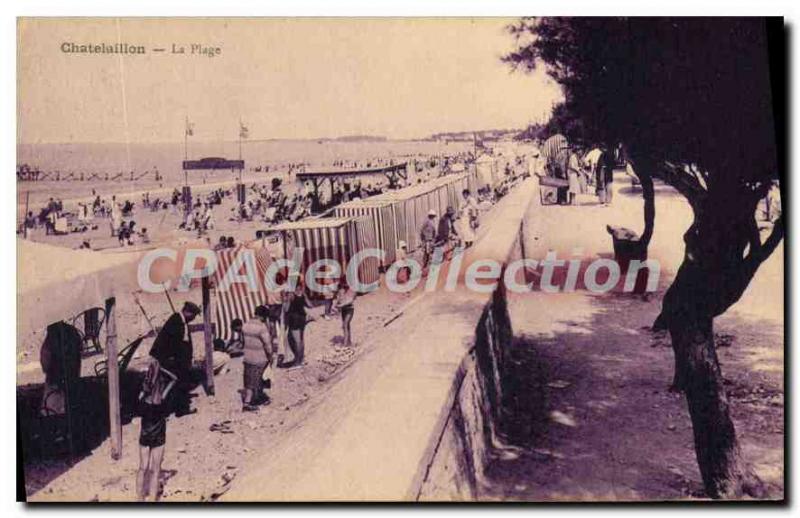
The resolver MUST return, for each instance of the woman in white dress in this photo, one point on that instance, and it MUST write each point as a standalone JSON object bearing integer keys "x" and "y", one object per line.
{"x": 463, "y": 226}
{"x": 573, "y": 174}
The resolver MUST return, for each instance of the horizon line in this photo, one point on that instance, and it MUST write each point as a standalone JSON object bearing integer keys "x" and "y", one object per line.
{"x": 340, "y": 138}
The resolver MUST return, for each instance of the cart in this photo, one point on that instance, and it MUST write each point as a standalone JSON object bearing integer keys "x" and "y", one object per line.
{"x": 548, "y": 189}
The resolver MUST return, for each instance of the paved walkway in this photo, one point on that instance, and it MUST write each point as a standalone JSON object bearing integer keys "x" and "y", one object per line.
{"x": 373, "y": 434}
{"x": 594, "y": 419}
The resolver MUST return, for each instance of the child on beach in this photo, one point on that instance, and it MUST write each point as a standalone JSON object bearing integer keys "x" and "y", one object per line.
{"x": 153, "y": 434}
{"x": 345, "y": 298}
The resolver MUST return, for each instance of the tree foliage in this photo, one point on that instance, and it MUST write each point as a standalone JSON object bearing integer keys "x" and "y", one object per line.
{"x": 690, "y": 91}
{"x": 691, "y": 101}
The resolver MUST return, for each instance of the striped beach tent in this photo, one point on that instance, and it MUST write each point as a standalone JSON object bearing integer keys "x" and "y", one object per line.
{"x": 552, "y": 147}
{"x": 382, "y": 216}
{"x": 412, "y": 204}
{"x": 471, "y": 179}
{"x": 239, "y": 300}
{"x": 366, "y": 237}
{"x": 333, "y": 238}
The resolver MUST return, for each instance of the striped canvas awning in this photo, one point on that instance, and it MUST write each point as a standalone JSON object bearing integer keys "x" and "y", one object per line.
{"x": 412, "y": 204}
{"x": 553, "y": 146}
{"x": 238, "y": 301}
{"x": 383, "y": 220}
{"x": 338, "y": 238}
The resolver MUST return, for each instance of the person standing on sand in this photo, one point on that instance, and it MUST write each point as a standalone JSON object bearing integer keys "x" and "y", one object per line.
{"x": 400, "y": 256}
{"x": 345, "y": 300}
{"x": 427, "y": 235}
{"x": 116, "y": 218}
{"x": 222, "y": 244}
{"x": 275, "y": 321}
{"x": 296, "y": 320}
{"x": 258, "y": 354}
{"x": 153, "y": 432}
{"x": 328, "y": 296}
{"x": 173, "y": 350}
{"x": 209, "y": 222}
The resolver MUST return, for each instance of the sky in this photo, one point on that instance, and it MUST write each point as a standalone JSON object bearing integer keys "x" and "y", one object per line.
{"x": 284, "y": 78}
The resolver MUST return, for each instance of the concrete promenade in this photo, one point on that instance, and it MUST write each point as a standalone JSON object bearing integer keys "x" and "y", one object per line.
{"x": 374, "y": 435}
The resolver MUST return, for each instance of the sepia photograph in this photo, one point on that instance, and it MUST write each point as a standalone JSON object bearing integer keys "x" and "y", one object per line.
{"x": 526, "y": 259}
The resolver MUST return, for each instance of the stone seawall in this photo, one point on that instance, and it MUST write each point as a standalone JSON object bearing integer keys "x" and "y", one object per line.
{"x": 462, "y": 451}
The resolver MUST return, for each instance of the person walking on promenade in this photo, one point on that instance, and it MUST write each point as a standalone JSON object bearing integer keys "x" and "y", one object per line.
{"x": 605, "y": 177}
{"x": 258, "y": 354}
{"x": 573, "y": 177}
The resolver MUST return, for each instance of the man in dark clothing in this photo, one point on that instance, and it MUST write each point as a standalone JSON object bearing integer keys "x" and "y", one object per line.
{"x": 445, "y": 231}
{"x": 427, "y": 237}
{"x": 446, "y": 234}
{"x": 173, "y": 350}
{"x": 604, "y": 177}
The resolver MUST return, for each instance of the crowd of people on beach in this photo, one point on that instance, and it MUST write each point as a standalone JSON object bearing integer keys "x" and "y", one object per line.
{"x": 274, "y": 337}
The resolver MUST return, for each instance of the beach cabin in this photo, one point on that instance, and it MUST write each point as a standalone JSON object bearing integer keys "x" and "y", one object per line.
{"x": 238, "y": 299}
{"x": 338, "y": 238}
{"x": 382, "y": 215}
{"x": 412, "y": 204}
{"x": 486, "y": 171}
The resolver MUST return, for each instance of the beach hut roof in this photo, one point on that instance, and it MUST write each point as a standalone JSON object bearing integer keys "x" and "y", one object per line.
{"x": 416, "y": 190}
{"x": 346, "y": 173}
{"x": 312, "y": 223}
{"x": 369, "y": 202}
{"x": 55, "y": 283}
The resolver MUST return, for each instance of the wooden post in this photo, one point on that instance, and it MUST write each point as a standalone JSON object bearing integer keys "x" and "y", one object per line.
{"x": 115, "y": 423}
{"x": 208, "y": 337}
{"x": 521, "y": 237}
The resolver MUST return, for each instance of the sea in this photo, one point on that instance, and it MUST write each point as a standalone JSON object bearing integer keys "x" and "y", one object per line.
{"x": 115, "y": 158}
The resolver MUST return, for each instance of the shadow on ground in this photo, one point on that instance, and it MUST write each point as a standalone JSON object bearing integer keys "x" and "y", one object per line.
{"x": 587, "y": 414}
{"x": 51, "y": 445}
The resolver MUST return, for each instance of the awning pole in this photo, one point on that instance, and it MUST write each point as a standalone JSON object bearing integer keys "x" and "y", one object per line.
{"x": 208, "y": 337}
{"x": 115, "y": 422}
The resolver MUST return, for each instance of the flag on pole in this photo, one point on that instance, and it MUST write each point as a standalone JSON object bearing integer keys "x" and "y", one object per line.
{"x": 189, "y": 128}
{"x": 243, "y": 131}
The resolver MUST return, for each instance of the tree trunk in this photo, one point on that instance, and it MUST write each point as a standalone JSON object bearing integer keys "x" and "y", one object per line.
{"x": 648, "y": 193}
{"x": 716, "y": 447}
